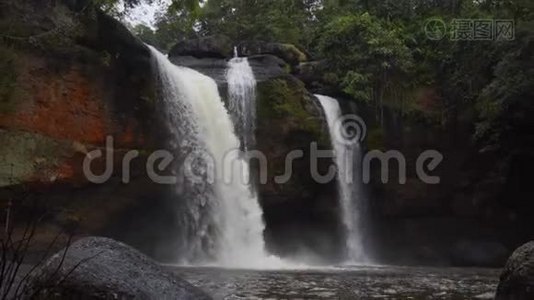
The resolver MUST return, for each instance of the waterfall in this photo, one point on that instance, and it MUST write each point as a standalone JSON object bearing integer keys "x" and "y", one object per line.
{"x": 223, "y": 216}
{"x": 242, "y": 98}
{"x": 236, "y": 52}
{"x": 347, "y": 156}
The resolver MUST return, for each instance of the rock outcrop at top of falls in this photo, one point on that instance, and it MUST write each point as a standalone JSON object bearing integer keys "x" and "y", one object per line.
{"x": 101, "y": 268}
{"x": 209, "y": 55}
{"x": 288, "y": 52}
{"x": 220, "y": 46}
{"x": 265, "y": 67}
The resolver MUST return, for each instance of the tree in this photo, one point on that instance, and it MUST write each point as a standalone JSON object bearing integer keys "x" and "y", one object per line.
{"x": 274, "y": 20}
{"x": 505, "y": 104}
{"x": 365, "y": 54}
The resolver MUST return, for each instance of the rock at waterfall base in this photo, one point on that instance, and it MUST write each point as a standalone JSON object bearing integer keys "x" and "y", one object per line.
{"x": 517, "y": 278}
{"x": 101, "y": 268}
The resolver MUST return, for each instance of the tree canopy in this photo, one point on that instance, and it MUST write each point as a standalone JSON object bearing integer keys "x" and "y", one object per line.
{"x": 379, "y": 52}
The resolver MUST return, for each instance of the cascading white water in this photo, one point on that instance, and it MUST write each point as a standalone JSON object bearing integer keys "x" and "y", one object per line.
{"x": 349, "y": 188}
{"x": 224, "y": 215}
{"x": 242, "y": 98}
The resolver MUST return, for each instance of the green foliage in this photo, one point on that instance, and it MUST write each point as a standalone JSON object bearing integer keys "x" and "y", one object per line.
{"x": 377, "y": 53}
{"x": 284, "y": 100}
{"x": 191, "y": 6}
{"x": 365, "y": 53}
{"x": 145, "y": 33}
{"x": 273, "y": 20}
{"x": 505, "y": 104}
{"x": 286, "y": 21}
{"x": 372, "y": 47}
{"x": 170, "y": 27}
{"x": 357, "y": 85}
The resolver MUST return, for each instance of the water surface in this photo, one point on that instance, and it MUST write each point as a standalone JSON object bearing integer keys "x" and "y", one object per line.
{"x": 345, "y": 283}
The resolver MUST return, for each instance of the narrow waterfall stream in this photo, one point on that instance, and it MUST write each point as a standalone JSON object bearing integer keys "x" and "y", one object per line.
{"x": 349, "y": 185}
{"x": 242, "y": 98}
{"x": 224, "y": 218}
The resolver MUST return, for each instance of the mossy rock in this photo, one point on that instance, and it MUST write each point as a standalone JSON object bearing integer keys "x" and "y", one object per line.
{"x": 289, "y": 119}
{"x": 26, "y": 156}
{"x": 285, "y": 99}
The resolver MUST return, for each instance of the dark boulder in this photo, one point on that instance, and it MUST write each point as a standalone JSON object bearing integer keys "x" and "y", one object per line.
{"x": 101, "y": 268}
{"x": 216, "y": 46}
{"x": 517, "y": 278}
{"x": 266, "y": 67}
{"x": 289, "y": 53}
{"x": 315, "y": 75}
{"x": 212, "y": 67}
{"x": 311, "y": 72}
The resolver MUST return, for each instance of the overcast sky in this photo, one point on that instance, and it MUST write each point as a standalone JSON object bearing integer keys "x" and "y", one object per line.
{"x": 146, "y": 13}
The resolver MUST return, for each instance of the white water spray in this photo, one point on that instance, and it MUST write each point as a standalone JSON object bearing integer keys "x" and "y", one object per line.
{"x": 224, "y": 215}
{"x": 236, "y": 52}
{"x": 349, "y": 189}
{"x": 242, "y": 98}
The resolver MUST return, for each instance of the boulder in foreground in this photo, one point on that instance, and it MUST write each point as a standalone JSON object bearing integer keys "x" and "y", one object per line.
{"x": 517, "y": 278}
{"x": 101, "y": 268}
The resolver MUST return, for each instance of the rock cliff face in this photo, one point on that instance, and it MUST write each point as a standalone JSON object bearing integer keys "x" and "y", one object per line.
{"x": 470, "y": 218}
{"x": 74, "y": 77}
{"x": 300, "y": 212}
{"x": 450, "y": 222}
